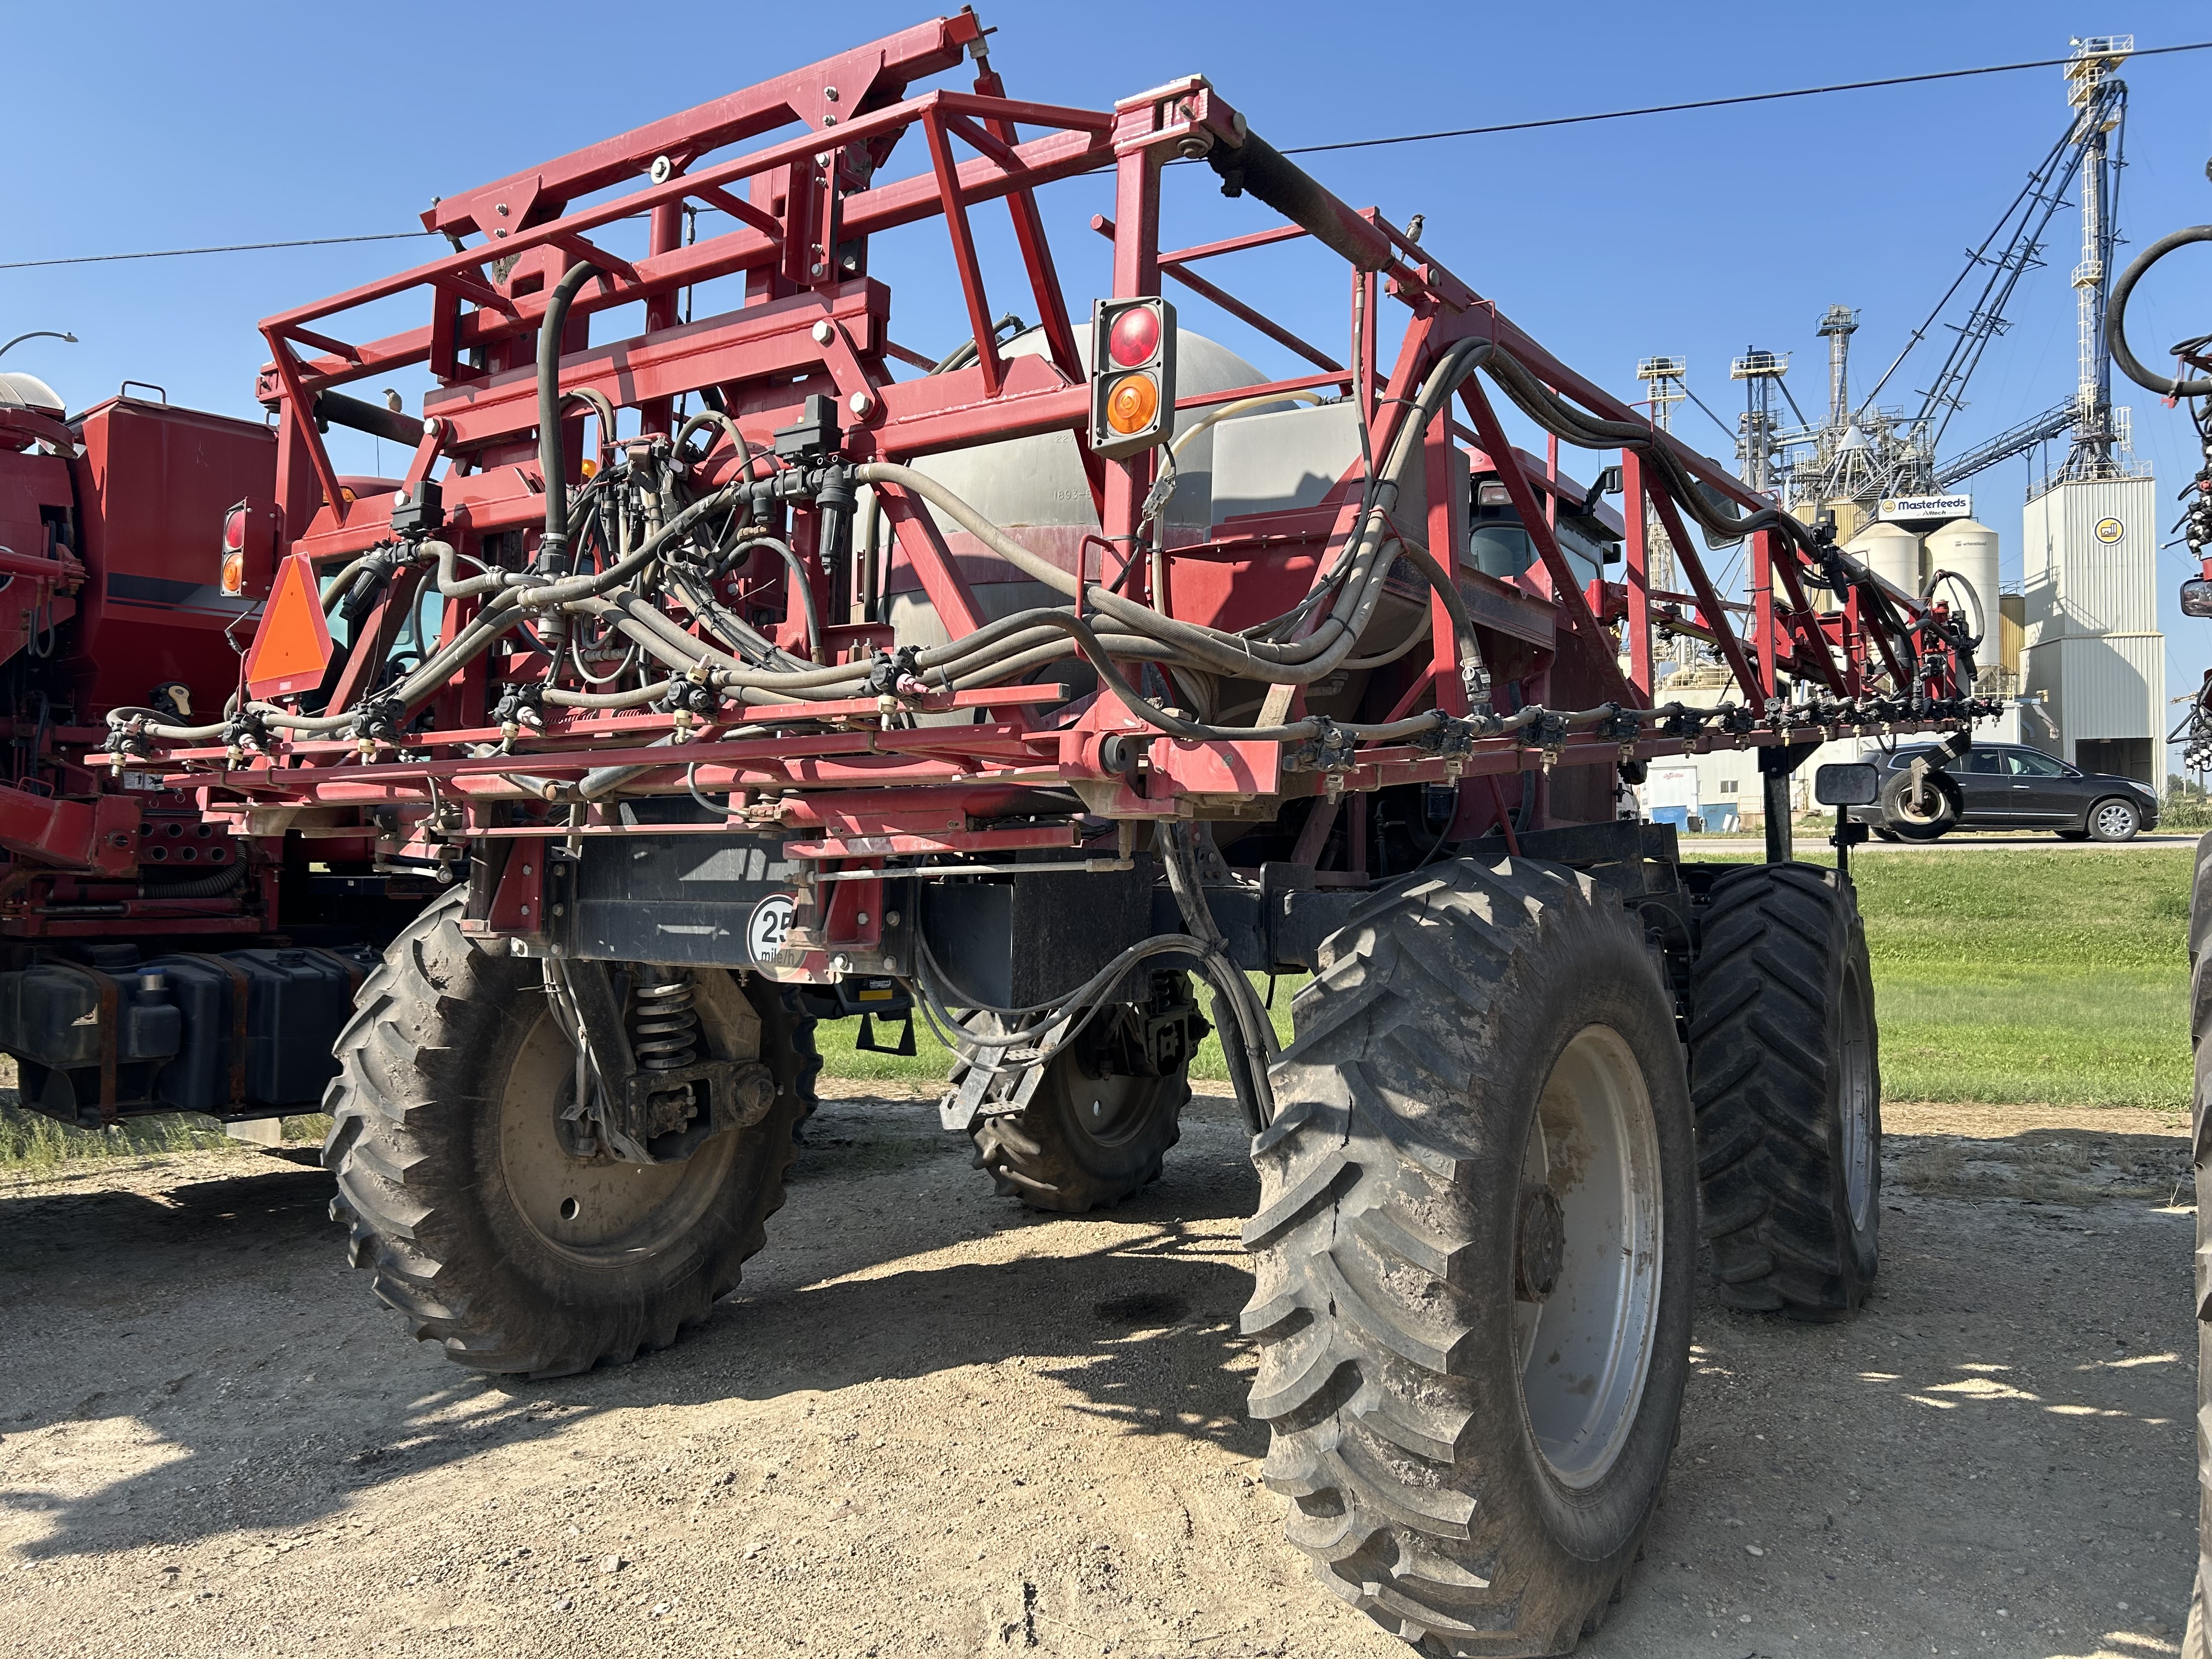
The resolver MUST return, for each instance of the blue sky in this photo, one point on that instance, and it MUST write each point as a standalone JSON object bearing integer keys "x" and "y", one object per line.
{"x": 1698, "y": 233}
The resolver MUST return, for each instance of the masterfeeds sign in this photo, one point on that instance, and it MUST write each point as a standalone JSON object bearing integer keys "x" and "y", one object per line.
{"x": 1894, "y": 508}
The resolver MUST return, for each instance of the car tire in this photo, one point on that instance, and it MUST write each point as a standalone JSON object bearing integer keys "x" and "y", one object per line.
{"x": 2113, "y": 819}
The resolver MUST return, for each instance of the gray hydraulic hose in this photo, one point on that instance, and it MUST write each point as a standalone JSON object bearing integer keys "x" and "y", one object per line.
{"x": 605, "y": 780}
{"x": 555, "y": 539}
{"x": 635, "y": 699}
{"x": 921, "y": 483}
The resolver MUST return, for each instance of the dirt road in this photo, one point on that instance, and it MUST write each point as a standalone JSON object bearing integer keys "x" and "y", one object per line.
{"x": 1812, "y": 840}
{"x": 932, "y": 1424}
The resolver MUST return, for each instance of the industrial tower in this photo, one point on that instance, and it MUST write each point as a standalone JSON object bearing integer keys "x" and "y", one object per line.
{"x": 2089, "y": 534}
{"x": 1662, "y": 376}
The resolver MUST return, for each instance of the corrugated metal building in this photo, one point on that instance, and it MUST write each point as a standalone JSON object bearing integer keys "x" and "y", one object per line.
{"x": 2091, "y": 643}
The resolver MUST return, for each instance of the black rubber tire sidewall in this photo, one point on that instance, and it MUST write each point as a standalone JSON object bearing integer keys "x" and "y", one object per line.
{"x": 615, "y": 1299}
{"x": 1046, "y": 1156}
{"x": 1405, "y": 1106}
{"x": 415, "y": 1144}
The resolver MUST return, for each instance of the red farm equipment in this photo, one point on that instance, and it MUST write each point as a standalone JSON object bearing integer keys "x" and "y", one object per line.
{"x": 141, "y": 967}
{"x": 2190, "y": 383}
{"x": 770, "y": 663}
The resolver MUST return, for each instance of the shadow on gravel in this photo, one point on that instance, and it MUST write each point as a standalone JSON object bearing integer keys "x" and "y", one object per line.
{"x": 215, "y": 1327}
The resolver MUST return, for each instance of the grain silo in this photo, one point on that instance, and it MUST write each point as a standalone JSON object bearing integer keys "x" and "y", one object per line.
{"x": 1892, "y": 552}
{"x": 1969, "y": 551}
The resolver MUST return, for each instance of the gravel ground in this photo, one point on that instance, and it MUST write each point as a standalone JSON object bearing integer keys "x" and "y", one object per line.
{"x": 930, "y": 1423}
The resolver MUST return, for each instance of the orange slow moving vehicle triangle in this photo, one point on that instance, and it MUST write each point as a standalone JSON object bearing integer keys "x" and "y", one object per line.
{"x": 292, "y": 647}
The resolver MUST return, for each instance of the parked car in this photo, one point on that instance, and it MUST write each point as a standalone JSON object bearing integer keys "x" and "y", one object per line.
{"x": 2007, "y": 786}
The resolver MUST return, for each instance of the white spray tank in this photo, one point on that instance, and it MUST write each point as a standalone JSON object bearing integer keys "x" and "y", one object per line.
{"x": 1035, "y": 489}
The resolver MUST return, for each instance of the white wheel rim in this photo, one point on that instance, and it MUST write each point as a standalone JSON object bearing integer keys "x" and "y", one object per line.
{"x": 1855, "y": 1103}
{"x": 2114, "y": 819}
{"x": 1923, "y": 804}
{"x": 1585, "y": 1350}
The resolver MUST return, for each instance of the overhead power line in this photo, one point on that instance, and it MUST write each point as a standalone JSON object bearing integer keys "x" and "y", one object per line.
{"x": 1721, "y": 103}
{"x": 227, "y": 247}
{"x": 1299, "y": 149}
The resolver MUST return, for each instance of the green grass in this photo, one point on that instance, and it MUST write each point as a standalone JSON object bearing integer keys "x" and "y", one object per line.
{"x": 2008, "y": 976}
{"x": 2019, "y": 975}
{"x": 927, "y": 1066}
{"x": 2024, "y": 975}
{"x": 31, "y": 1140}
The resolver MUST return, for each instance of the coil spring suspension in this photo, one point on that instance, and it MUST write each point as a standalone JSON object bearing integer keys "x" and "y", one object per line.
{"x": 664, "y": 1025}
{"x": 663, "y": 1034}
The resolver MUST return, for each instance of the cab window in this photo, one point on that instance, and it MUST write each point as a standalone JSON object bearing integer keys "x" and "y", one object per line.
{"x": 2027, "y": 763}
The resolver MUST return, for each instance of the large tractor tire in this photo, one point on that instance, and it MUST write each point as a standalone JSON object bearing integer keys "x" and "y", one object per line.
{"x": 1474, "y": 1257}
{"x": 1083, "y": 1142}
{"x": 464, "y": 1190}
{"x": 2196, "y": 1642}
{"x": 1786, "y": 1076}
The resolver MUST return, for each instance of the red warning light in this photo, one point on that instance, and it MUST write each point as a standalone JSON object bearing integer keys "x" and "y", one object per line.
{"x": 1136, "y": 337}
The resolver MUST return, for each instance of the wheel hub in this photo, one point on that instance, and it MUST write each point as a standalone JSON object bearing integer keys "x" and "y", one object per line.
{"x": 1539, "y": 1245}
{"x": 592, "y": 1208}
{"x": 1588, "y": 1251}
{"x": 1109, "y": 1109}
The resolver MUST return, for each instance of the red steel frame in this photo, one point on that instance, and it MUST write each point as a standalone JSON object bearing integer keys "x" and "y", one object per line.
{"x": 801, "y": 212}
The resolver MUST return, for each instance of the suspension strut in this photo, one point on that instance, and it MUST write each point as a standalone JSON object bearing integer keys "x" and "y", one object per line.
{"x": 663, "y": 1035}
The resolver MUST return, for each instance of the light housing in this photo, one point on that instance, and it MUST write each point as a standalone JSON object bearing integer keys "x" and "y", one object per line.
{"x": 247, "y": 566}
{"x": 234, "y": 551}
{"x": 1132, "y": 375}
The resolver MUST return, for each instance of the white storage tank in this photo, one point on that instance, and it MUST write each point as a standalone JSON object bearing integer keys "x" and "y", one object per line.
{"x": 1033, "y": 487}
{"x": 1892, "y": 552}
{"x": 1970, "y": 551}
